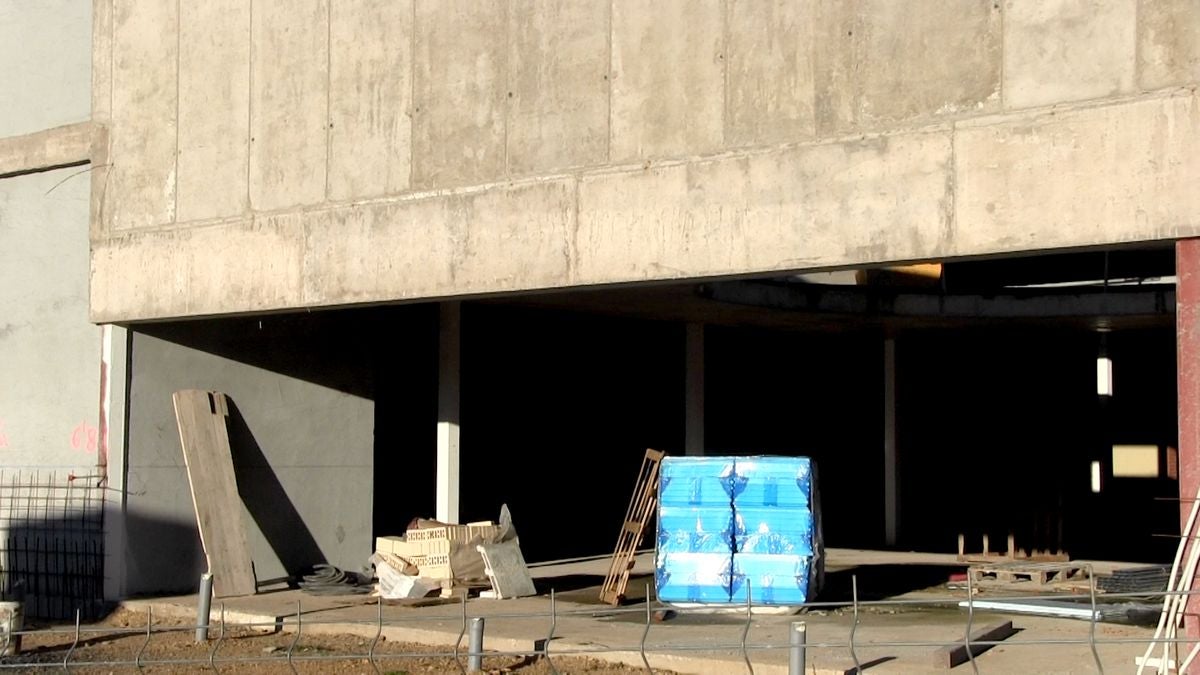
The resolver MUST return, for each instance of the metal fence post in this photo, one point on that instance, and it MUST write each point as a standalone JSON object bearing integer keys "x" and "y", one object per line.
{"x": 475, "y": 655}
{"x": 797, "y": 639}
{"x": 203, "y": 607}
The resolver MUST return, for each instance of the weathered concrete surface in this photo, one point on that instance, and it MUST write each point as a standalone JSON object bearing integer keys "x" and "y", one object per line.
{"x": 668, "y": 70}
{"x": 70, "y": 144}
{"x": 1112, "y": 174}
{"x": 558, "y": 63}
{"x": 807, "y": 207}
{"x": 459, "y": 92}
{"x": 50, "y": 363}
{"x": 439, "y": 244}
{"x": 46, "y": 52}
{"x": 770, "y": 77}
{"x": 141, "y": 178}
{"x": 314, "y": 461}
{"x": 1057, "y": 51}
{"x": 881, "y": 63}
{"x": 214, "y": 111}
{"x": 253, "y": 263}
{"x": 370, "y": 98}
{"x": 289, "y": 105}
{"x": 1168, "y": 43}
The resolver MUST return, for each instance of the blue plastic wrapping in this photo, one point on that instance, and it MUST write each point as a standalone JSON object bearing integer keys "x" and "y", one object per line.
{"x": 770, "y": 579}
{"x": 693, "y": 577}
{"x": 772, "y": 481}
{"x": 696, "y": 481}
{"x": 728, "y": 524}
{"x": 773, "y": 529}
{"x": 695, "y": 529}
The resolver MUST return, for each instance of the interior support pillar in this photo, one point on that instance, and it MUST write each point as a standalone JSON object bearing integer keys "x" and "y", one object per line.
{"x": 693, "y": 440}
{"x": 1187, "y": 337}
{"x": 449, "y": 381}
{"x": 891, "y": 476}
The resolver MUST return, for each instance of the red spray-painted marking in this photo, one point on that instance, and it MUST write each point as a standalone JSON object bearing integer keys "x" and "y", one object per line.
{"x": 85, "y": 437}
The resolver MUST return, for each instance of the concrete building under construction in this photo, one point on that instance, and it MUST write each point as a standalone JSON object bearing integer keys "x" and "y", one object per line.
{"x": 447, "y": 255}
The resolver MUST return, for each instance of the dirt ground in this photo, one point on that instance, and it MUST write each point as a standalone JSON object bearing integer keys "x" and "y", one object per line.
{"x": 114, "y": 649}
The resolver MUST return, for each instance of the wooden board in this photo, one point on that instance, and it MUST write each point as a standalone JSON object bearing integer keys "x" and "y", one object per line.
{"x": 205, "y": 440}
{"x": 641, "y": 509}
{"x": 505, "y": 566}
{"x": 955, "y": 655}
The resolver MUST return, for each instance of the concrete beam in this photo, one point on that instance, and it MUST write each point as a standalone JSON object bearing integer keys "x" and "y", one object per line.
{"x": 1045, "y": 304}
{"x": 1187, "y": 337}
{"x": 69, "y": 145}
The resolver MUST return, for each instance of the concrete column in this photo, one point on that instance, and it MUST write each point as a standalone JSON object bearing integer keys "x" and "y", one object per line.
{"x": 113, "y": 450}
{"x": 693, "y": 435}
{"x": 449, "y": 380}
{"x": 891, "y": 476}
{"x": 1187, "y": 337}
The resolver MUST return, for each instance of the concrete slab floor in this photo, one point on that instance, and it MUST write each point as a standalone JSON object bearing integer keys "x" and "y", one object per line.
{"x": 710, "y": 643}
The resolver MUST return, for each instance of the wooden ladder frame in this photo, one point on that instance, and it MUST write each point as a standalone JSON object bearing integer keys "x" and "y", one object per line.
{"x": 633, "y": 530}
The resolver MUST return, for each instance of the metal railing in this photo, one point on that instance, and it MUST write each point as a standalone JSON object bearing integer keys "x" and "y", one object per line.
{"x": 466, "y": 660}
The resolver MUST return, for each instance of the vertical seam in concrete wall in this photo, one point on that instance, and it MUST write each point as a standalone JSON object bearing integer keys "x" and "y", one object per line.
{"x": 328, "y": 94}
{"x": 412, "y": 94}
{"x": 1003, "y": 51}
{"x": 725, "y": 135}
{"x": 608, "y": 151}
{"x": 507, "y": 83}
{"x": 250, "y": 104}
{"x": 178, "y": 61}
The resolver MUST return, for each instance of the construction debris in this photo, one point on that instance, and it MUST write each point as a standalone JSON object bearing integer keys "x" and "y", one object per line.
{"x": 1038, "y": 574}
{"x": 505, "y": 568}
{"x": 329, "y": 580}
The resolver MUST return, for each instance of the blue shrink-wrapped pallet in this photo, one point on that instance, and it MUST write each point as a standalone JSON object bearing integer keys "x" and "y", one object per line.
{"x": 696, "y": 481}
{"x": 772, "y": 481}
{"x": 778, "y": 530}
{"x": 695, "y": 529}
{"x": 728, "y": 526}
{"x": 770, "y": 579}
{"x": 693, "y": 577}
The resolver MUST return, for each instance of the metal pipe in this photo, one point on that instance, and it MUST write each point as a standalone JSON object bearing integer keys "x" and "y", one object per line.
{"x": 203, "y": 607}
{"x": 475, "y": 655}
{"x": 798, "y": 638}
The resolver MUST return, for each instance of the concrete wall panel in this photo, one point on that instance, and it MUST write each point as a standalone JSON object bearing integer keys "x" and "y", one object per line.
{"x": 807, "y": 207}
{"x": 1112, "y": 174}
{"x": 558, "y": 75}
{"x": 668, "y": 88}
{"x": 437, "y": 245}
{"x": 1168, "y": 43}
{"x": 251, "y": 263}
{"x": 49, "y": 353}
{"x": 141, "y": 179}
{"x": 214, "y": 110}
{"x": 303, "y": 449}
{"x": 289, "y": 103}
{"x": 46, "y": 52}
{"x": 1067, "y": 50}
{"x": 370, "y": 98}
{"x": 770, "y": 55}
{"x": 459, "y": 92}
{"x": 881, "y": 63}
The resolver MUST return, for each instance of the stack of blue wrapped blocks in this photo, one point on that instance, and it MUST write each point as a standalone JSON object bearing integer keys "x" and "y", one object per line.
{"x": 729, "y": 527}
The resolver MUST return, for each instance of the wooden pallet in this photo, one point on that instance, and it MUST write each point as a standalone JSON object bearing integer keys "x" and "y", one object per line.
{"x": 1036, "y": 574}
{"x": 641, "y": 509}
{"x": 1013, "y": 554}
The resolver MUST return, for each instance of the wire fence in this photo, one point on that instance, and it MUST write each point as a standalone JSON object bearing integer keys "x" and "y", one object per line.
{"x": 51, "y": 544}
{"x": 1168, "y": 647}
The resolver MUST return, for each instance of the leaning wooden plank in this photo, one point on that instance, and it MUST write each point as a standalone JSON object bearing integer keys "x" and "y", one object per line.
{"x": 954, "y": 655}
{"x": 205, "y": 440}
